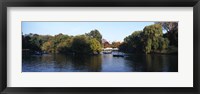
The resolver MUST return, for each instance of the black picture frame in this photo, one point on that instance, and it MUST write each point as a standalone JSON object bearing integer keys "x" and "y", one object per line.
{"x": 98, "y": 3}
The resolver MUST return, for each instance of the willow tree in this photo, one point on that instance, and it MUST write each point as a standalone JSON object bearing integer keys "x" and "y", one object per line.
{"x": 163, "y": 44}
{"x": 151, "y": 35}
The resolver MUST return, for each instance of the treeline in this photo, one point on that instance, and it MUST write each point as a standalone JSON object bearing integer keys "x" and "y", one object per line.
{"x": 152, "y": 40}
{"x": 89, "y": 43}
{"x": 114, "y": 44}
{"x": 149, "y": 40}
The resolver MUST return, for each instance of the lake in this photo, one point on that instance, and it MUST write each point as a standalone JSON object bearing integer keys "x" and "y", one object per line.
{"x": 100, "y": 63}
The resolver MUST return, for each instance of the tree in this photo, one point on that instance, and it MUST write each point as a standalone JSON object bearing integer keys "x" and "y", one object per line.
{"x": 149, "y": 40}
{"x": 60, "y": 43}
{"x": 48, "y": 47}
{"x": 95, "y": 34}
{"x": 32, "y": 42}
{"x": 172, "y": 31}
{"x": 95, "y": 46}
{"x": 133, "y": 42}
{"x": 148, "y": 46}
{"x": 115, "y": 44}
{"x": 125, "y": 47}
{"x": 80, "y": 45}
{"x": 55, "y": 44}
{"x": 151, "y": 35}
{"x": 25, "y": 42}
{"x": 45, "y": 38}
{"x": 65, "y": 46}
{"x": 169, "y": 26}
{"x": 163, "y": 44}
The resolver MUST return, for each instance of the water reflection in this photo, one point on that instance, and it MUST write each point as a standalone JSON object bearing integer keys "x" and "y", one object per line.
{"x": 100, "y": 63}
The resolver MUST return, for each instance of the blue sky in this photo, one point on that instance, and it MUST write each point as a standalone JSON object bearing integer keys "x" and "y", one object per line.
{"x": 111, "y": 31}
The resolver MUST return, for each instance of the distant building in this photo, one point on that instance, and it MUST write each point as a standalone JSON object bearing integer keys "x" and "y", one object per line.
{"x": 105, "y": 43}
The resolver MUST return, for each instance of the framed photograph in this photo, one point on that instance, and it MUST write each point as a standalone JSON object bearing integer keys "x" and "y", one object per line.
{"x": 76, "y": 46}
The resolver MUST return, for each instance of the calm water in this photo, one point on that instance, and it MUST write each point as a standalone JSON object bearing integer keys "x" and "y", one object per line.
{"x": 100, "y": 63}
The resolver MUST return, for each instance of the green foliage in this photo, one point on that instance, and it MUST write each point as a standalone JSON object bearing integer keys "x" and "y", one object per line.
{"x": 163, "y": 44}
{"x": 150, "y": 40}
{"x": 80, "y": 44}
{"x": 54, "y": 44}
{"x": 83, "y": 44}
{"x": 132, "y": 43}
{"x": 172, "y": 32}
{"x": 95, "y": 34}
{"x": 95, "y": 46}
{"x": 65, "y": 46}
{"x": 148, "y": 46}
{"x": 48, "y": 47}
{"x": 152, "y": 34}
{"x": 34, "y": 42}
